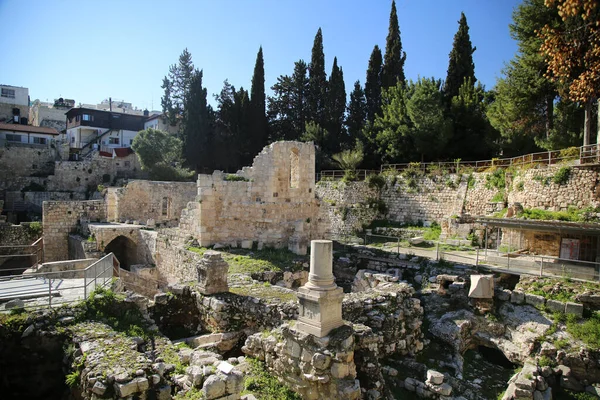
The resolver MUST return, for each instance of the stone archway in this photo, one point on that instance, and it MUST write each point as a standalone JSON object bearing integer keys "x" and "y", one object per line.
{"x": 125, "y": 250}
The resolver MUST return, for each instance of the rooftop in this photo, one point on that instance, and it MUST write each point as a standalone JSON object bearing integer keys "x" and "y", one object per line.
{"x": 28, "y": 129}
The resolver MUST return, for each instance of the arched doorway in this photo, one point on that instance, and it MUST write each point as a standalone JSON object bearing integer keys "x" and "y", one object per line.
{"x": 124, "y": 249}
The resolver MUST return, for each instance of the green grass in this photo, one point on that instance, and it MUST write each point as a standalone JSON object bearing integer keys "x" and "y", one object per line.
{"x": 587, "y": 331}
{"x": 263, "y": 291}
{"x": 243, "y": 261}
{"x": 265, "y": 386}
{"x": 235, "y": 178}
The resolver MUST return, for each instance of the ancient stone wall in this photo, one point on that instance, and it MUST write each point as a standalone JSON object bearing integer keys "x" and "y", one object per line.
{"x": 535, "y": 188}
{"x": 144, "y": 200}
{"x": 18, "y": 235}
{"x": 61, "y": 218}
{"x": 173, "y": 261}
{"x": 428, "y": 199}
{"x": 86, "y": 175}
{"x": 345, "y": 207}
{"x": 23, "y": 161}
{"x": 272, "y": 202}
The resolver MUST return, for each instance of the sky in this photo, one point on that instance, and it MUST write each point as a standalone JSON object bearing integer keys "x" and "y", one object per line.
{"x": 91, "y": 50}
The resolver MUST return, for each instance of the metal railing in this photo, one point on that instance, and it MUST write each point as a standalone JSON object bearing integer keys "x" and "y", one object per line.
{"x": 361, "y": 174}
{"x": 42, "y": 288}
{"x": 489, "y": 259}
{"x": 586, "y": 155}
{"x": 34, "y": 251}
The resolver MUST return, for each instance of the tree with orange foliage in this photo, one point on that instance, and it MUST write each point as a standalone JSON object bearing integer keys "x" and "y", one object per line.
{"x": 573, "y": 54}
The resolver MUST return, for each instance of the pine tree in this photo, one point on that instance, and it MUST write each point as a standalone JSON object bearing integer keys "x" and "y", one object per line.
{"x": 176, "y": 86}
{"x": 357, "y": 113}
{"x": 336, "y": 108}
{"x": 393, "y": 65}
{"x": 198, "y": 126}
{"x": 317, "y": 82}
{"x": 373, "y": 84}
{"x": 288, "y": 107}
{"x": 460, "y": 67}
{"x": 259, "y": 127}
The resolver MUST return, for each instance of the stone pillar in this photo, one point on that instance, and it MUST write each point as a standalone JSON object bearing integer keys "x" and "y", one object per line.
{"x": 320, "y": 299}
{"x": 212, "y": 273}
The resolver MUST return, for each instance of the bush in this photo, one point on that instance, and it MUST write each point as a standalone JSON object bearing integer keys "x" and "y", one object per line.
{"x": 235, "y": 178}
{"x": 568, "y": 154}
{"x": 35, "y": 227}
{"x": 562, "y": 176}
{"x": 588, "y": 331}
{"x": 496, "y": 179}
{"x": 265, "y": 385}
{"x": 376, "y": 181}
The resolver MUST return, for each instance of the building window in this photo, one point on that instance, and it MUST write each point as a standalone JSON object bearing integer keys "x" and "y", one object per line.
{"x": 165, "y": 206}
{"x": 13, "y": 138}
{"x": 40, "y": 140}
{"x": 113, "y": 140}
{"x": 10, "y": 93}
{"x": 130, "y": 142}
{"x": 77, "y": 118}
{"x": 294, "y": 168}
{"x": 127, "y": 163}
{"x": 72, "y": 139}
{"x": 88, "y": 117}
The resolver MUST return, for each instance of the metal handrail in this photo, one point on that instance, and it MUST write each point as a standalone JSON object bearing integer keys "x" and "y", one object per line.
{"x": 98, "y": 274}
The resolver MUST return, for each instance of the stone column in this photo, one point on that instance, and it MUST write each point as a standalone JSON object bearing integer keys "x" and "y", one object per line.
{"x": 320, "y": 299}
{"x": 212, "y": 273}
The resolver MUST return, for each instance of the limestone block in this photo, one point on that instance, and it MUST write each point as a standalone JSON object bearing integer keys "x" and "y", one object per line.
{"x": 517, "y": 297}
{"x": 556, "y": 306}
{"x": 574, "y": 308}
{"x": 246, "y": 244}
{"x": 212, "y": 273}
{"x": 214, "y": 387}
{"x": 534, "y": 300}
{"x": 435, "y": 377}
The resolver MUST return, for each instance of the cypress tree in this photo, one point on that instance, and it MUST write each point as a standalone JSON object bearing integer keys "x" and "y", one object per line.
{"x": 373, "y": 84}
{"x": 393, "y": 65}
{"x": 357, "y": 113}
{"x": 197, "y": 125}
{"x": 460, "y": 68}
{"x": 258, "y": 128}
{"x": 336, "y": 107}
{"x": 317, "y": 82}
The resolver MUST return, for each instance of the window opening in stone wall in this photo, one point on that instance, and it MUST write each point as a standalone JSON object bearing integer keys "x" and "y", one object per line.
{"x": 165, "y": 206}
{"x": 294, "y": 168}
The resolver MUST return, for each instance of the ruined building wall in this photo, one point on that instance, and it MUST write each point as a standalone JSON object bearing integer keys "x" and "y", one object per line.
{"x": 61, "y": 218}
{"x": 19, "y": 162}
{"x": 273, "y": 205}
{"x": 144, "y": 200}
{"x": 430, "y": 199}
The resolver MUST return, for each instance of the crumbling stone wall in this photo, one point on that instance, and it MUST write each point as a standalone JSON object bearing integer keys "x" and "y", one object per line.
{"x": 144, "y": 200}
{"x": 18, "y": 235}
{"x": 61, "y": 218}
{"x": 17, "y": 162}
{"x": 345, "y": 207}
{"x": 540, "y": 191}
{"x": 274, "y": 203}
{"x": 431, "y": 200}
{"x": 86, "y": 175}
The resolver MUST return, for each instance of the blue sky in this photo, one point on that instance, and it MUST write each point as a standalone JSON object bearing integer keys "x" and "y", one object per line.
{"x": 90, "y": 50}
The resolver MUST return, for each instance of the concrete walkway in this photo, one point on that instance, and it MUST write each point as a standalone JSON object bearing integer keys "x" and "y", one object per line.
{"x": 40, "y": 291}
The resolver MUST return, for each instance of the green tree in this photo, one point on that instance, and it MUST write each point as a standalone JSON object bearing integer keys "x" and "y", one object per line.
{"x": 160, "y": 155}
{"x": 336, "y": 109}
{"x": 233, "y": 144}
{"x": 473, "y": 137}
{"x": 391, "y": 131}
{"x": 357, "y": 113}
{"x": 313, "y": 132}
{"x": 460, "y": 67}
{"x": 198, "y": 126}
{"x": 393, "y": 64}
{"x": 259, "y": 126}
{"x": 176, "y": 86}
{"x": 317, "y": 82}
{"x": 524, "y": 98}
{"x": 430, "y": 128}
{"x": 288, "y": 107}
{"x": 373, "y": 84}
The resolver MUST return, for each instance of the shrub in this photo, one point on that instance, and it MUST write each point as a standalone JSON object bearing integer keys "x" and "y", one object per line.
{"x": 562, "y": 176}
{"x": 35, "y": 227}
{"x": 235, "y": 178}
{"x": 568, "y": 154}
{"x": 496, "y": 179}
{"x": 588, "y": 331}
{"x": 376, "y": 181}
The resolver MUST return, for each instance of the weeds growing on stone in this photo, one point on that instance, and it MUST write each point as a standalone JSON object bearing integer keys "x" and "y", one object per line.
{"x": 264, "y": 385}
